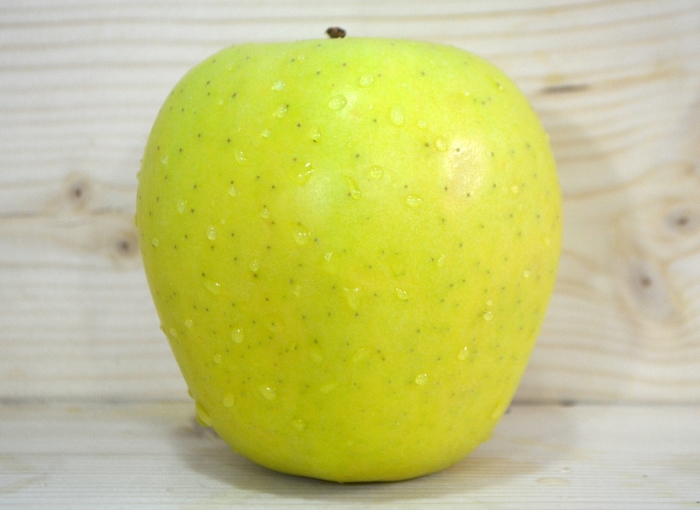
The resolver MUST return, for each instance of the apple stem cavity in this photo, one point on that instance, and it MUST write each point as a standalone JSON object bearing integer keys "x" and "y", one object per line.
{"x": 336, "y": 32}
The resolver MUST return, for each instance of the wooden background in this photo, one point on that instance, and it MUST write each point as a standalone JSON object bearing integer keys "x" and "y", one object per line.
{"x": 617, "y": 86}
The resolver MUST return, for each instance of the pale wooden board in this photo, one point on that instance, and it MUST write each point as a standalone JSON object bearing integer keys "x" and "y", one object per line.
{"x": 616, "y": 83}
{"x": 156, "y": 456}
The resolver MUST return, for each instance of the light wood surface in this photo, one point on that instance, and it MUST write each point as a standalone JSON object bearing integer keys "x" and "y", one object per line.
{"x": 539, "y": 458}
{"x": 617, "y": 86}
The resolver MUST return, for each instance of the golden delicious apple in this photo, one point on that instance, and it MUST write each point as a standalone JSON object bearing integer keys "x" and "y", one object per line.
{"x": 351, "y": 244}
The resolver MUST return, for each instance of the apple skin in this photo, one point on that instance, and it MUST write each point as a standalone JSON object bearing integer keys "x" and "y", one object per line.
{"x": 351, "y": 245}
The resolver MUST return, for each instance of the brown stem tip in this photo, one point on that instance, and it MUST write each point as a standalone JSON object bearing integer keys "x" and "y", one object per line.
{"x": 336, "y": 32}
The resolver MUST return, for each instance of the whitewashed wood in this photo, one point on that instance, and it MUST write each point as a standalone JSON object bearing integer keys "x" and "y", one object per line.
{"x": 617, "y": 85}
{"x": 156, "y": 456}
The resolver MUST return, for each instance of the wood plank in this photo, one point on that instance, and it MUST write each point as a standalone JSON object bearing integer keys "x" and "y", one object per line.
{"x": 616, "y": 84}
{"x": 84, "y": 455}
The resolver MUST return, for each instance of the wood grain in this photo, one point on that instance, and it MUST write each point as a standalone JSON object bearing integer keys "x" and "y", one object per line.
{"x": 540, "y": 457}
{"x": 617, "y": 85}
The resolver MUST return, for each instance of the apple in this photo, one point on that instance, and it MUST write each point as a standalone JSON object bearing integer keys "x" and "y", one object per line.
{"x": 351, "y": 245}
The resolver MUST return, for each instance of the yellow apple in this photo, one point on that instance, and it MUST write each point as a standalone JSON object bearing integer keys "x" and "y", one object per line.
{"x": 351, "y": 245}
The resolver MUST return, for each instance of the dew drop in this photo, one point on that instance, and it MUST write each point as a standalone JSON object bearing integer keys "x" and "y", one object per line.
{"x": 164, "y": 160}
{"x": 401, "y": 294}
{"x": 337, "y": 103}
{"x": 281, "y": 111}
{"x": 329, "y": 264}
{"x": 217, "y": 359}
{"x": 202, "y": 415}
{"x": 422, "y": 124}
{"x": 181, "y": 207}
{"x": 268, "y": 392}
{"x": 353, "y": 297}
{"x": 301, "y": 234}
{"x": 237, "y": 336}
{"x": 366, "y": 80}
{"x": 489, "y": 302}
{"x": 299, "y": 425}
{"x": 229, "y": 400}
{"x": 240, "y": 157}
{"x": 297, "y": 290}
{"x": 188, "y": 323}
{"x": 376, "y": 172}
{"x": 301, "y": 175}
{"x": 155, "y": 241}
{"x": 254, "y": 266}
{"x": 211, "y": 233}
{"x": 355, "y": 191}
{"x": 315, "y": 134}
{"x": 173, "y": 332}
{"x": 441, "y": 144}
{"x": 514, "y": 189}
{"x": 328, "y": 387}
{"x": 526, "y": 273}
{"x": 413, "y": 200}
{"x": 441, "y": 261}
{"x": 212, "y": 286}
{"x": 266, "y": 133}
{"x": 278, "y": 85}
{"x": 463, "y": 354}
{"x": 397, "y": 116}
{"x": 232, "y": 191}
{"x": 421, "y": 379}
{"x": 488, "y": 315}
{"x": 265, "y": 213}
{"x": 360, "y": 355}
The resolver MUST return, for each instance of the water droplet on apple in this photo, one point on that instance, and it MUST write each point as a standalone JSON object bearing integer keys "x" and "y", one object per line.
{"x": 376, "y": 172}
{"x": 228, "y": 401}
{"x": 297, "y": 290}
{"x": 232, "y": 191}
{"x": 266, "y": 133}
{"x": 366, "y": 80}
{"x": 237, "y": 336}
{"x": 299, "y": 425}
{"x": 328, "y": 387}
{"x": 278, "y": 85}
{"x": 181, "y": 207}
{"x": 218, "y": 359}
{"x": 514, "y": 189}
{"x": 315, "y": 134}
{"x": 254, "y": 266}
{"x": 338, "y": 102}
{"x": 360, "y": 355}
{"x": 212, "y": 286}
{"x": 301, "y": 174}
{"x": 268, "y": 392}
{"x": 240, "y": 157}
{"x": 172, "y": 333}
{"x": 441, "y": 144}
{"x": 489, "y": 302}
{"x": 164, "y": 160}
{"x": 301, "y": 234}
{"x": 265, "y": 213}
{"x": 463, "y": 354}
{"x": 401, "y": 294}
{"x": 422, "y": 124}
{"x": 202, "y": 415}
{"x": 188, "y": 323}
{"x": 328, "y": 263}
{"x": 355, "y": 191}
{"x": 316, "y": 355}
{"x": 397, "y": 116}
{"x": 526, "y": 273}
{"x": 421, "y": 379}
{"x": 211, "y": 233}
{"x": 281, "y": 111}
{"x": 488, "y": 315}
{"x": 414, "y": 200}
{"x": 155, "y": 242}
{"x": 441, "y": 261}
{"x": 353, "y": 297}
